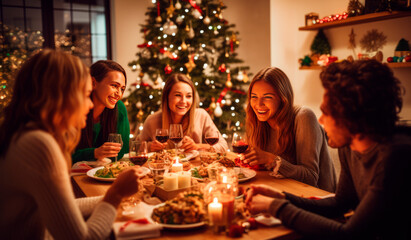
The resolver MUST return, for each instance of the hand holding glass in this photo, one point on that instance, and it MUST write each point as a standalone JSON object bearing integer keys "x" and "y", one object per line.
{"x": 115, "y": 138}
{"x": 211, "y": 137}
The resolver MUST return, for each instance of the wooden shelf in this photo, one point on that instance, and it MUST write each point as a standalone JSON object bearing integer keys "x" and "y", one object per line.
{"x": 372, "y": 17}
{"x": 391, "y": 65}
{"x": 399, "y": 65}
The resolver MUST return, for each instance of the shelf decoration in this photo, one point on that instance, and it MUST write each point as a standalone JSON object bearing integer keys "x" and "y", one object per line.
{"x": 402, "y": 52}
{"x": 355, "y": 8}
{"x": 311, "y": 18}
{"x": 352, "y": 44}
{"x": 332, "y": 18}
{"x": 373, "y": 40}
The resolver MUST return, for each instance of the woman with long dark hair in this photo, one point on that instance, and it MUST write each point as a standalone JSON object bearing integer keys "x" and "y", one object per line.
{"x": 108, "y": 116}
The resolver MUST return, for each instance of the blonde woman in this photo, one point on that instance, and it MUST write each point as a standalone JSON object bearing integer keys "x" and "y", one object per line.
{"x": 178, "y": 106}
{"x": 41, "y": 128}
{"x": 284, "y": 137}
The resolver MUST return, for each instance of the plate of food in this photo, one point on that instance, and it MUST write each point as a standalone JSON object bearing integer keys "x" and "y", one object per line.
{"x": 171, "y": 153}
{"x": 186, "y": 210}
{"x": 201, "y": 173}
{"x": 109, "y": 172}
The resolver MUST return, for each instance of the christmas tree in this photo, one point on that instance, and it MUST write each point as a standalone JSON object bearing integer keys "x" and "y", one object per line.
{"x": 17, "y": 47}
{"x": 320, "y": 44}
{"x": 193, "y": 38}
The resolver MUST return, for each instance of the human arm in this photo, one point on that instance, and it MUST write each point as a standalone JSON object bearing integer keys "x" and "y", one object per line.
{"x": 308, "y": 142}
{"x": 47, "y": 182}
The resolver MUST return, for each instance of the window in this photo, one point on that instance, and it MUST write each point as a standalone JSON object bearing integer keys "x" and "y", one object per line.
{"x": 80, "y": 27}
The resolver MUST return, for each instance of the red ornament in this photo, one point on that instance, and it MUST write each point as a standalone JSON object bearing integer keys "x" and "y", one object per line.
{"x": 222, "y": 68}
{"x": 390, "y": 59}
{"x": 408, "y": 58}
{"x": 235, "y": 231}
{"x": 167, "y": 69}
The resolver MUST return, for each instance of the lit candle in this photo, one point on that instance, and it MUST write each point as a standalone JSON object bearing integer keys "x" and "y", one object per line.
{"x": 170, "y": 181}
{"x": 184, "y": 179}
{"x": 215, "y": 212}
{"x": 177, "y": 167}
{"x": 228, "y": 209}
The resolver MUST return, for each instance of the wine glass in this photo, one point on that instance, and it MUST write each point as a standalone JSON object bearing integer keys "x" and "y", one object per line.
{"x": 239, "y": 143}
{"x": 115, "y": 138}
{"x": 138, "y": 152}
{"x": 212, "y": 137}
{"x": 158, "y": 167}
{"x": 176, "y": 134}
{"x": 162, "y": 135}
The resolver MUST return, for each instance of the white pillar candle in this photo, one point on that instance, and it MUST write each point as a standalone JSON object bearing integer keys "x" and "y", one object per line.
{"x": 184, "y": 179}
{"x": 177, "y": 167}
{"x": 215, "y": 212}
{"x": 170, "y": 181}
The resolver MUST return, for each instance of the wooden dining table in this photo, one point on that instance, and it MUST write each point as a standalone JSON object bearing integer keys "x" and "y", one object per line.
{"x": 85, "y": 186}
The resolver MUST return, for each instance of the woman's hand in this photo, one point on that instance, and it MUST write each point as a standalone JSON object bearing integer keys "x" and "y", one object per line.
{"x": 125, "y": 185}
{"x": 157, "y": 146}
{"x": 188, "y": 144}
{"x": 254, "y": 156}
{"x": 259, "y": 198}
{"x": 108, "y": 149}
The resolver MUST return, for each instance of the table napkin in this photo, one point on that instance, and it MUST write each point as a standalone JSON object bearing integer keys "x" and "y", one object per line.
{"x": 140, "y": 226}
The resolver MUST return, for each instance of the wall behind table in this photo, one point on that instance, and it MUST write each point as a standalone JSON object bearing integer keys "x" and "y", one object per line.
{"x": 288, "y": 45}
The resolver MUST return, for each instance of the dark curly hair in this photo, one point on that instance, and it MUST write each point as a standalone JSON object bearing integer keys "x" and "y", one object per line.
{"x": 364, "y": 96}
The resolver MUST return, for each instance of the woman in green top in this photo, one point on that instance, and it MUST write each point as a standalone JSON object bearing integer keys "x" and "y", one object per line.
{"x": 109, "y": 115}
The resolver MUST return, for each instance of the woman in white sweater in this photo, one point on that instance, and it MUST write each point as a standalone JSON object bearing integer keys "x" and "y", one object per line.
{"x": 41, "y": 128}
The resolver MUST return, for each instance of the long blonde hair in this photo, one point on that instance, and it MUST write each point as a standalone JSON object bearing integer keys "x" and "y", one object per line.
{"x": 48, "y": 91}
{"x": 258, "y": 133}
{"x": 188, "y": 119}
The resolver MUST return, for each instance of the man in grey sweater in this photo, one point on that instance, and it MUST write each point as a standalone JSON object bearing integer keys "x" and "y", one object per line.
{"x": 360, "y": 110}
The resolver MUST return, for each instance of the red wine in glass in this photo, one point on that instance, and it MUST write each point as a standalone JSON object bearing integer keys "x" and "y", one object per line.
{"x": 162, "y": 139}
{"x": 211, "y": 140}
{"x": 240, "y": 148}
{"x": 139, "y": 160}
{"x": 176, "y": 139}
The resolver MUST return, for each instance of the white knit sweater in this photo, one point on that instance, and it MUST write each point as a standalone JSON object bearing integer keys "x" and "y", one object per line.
{"x": 36, "y": 194}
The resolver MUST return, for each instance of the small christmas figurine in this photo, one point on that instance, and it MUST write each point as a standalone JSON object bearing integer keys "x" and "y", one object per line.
{"x": 402, "y": 49}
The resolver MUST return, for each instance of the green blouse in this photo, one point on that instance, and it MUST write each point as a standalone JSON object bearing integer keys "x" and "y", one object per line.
{"x": 123, "y": 127}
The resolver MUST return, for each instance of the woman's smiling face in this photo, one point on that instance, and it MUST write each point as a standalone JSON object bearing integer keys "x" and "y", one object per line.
{"x": 109, "y": 90}
{"x": 180, "y": 99}
{"x": 264, "y": 101}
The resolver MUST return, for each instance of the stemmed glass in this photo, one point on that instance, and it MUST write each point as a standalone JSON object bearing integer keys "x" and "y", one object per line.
{"x": 239, "y": 143}
{"x": 162, "y": 135}
{"x": 176, "y": 134}
{"x": 138, "y": 152}
{"x": 211, "y": 137}
{"x": 115, "y": 138}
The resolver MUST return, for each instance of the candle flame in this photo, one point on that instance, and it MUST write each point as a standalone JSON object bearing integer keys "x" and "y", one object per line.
{"x": 215, "y": 200}
{"x": 224, "y": 179}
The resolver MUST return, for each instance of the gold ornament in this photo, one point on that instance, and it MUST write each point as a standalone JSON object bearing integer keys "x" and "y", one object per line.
{"x": 183, "y": 46}
{"x": 158, "y": 19}
{"x": 228, "y": 84}
{"x": 190, "y": 64}
{"x": 170, "y": 9}
{"x": 245, "y": 77}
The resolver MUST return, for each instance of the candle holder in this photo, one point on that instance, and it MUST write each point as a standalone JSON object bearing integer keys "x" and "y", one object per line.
{"x": 222, "y": 191}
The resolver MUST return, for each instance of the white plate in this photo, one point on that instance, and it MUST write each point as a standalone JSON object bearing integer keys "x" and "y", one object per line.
{"x": 177, "y": 226}
{"x": 249, "y": 173}
{"x": 181, "y": 226}
{"x": 93, "y": 171}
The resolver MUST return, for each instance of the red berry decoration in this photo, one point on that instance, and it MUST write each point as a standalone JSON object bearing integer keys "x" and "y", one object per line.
{"x": 167, "y": 69}
{"x": 235, "y": 231}
{"x": 253, "y": 223}
{"x": 222, "y": 68}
